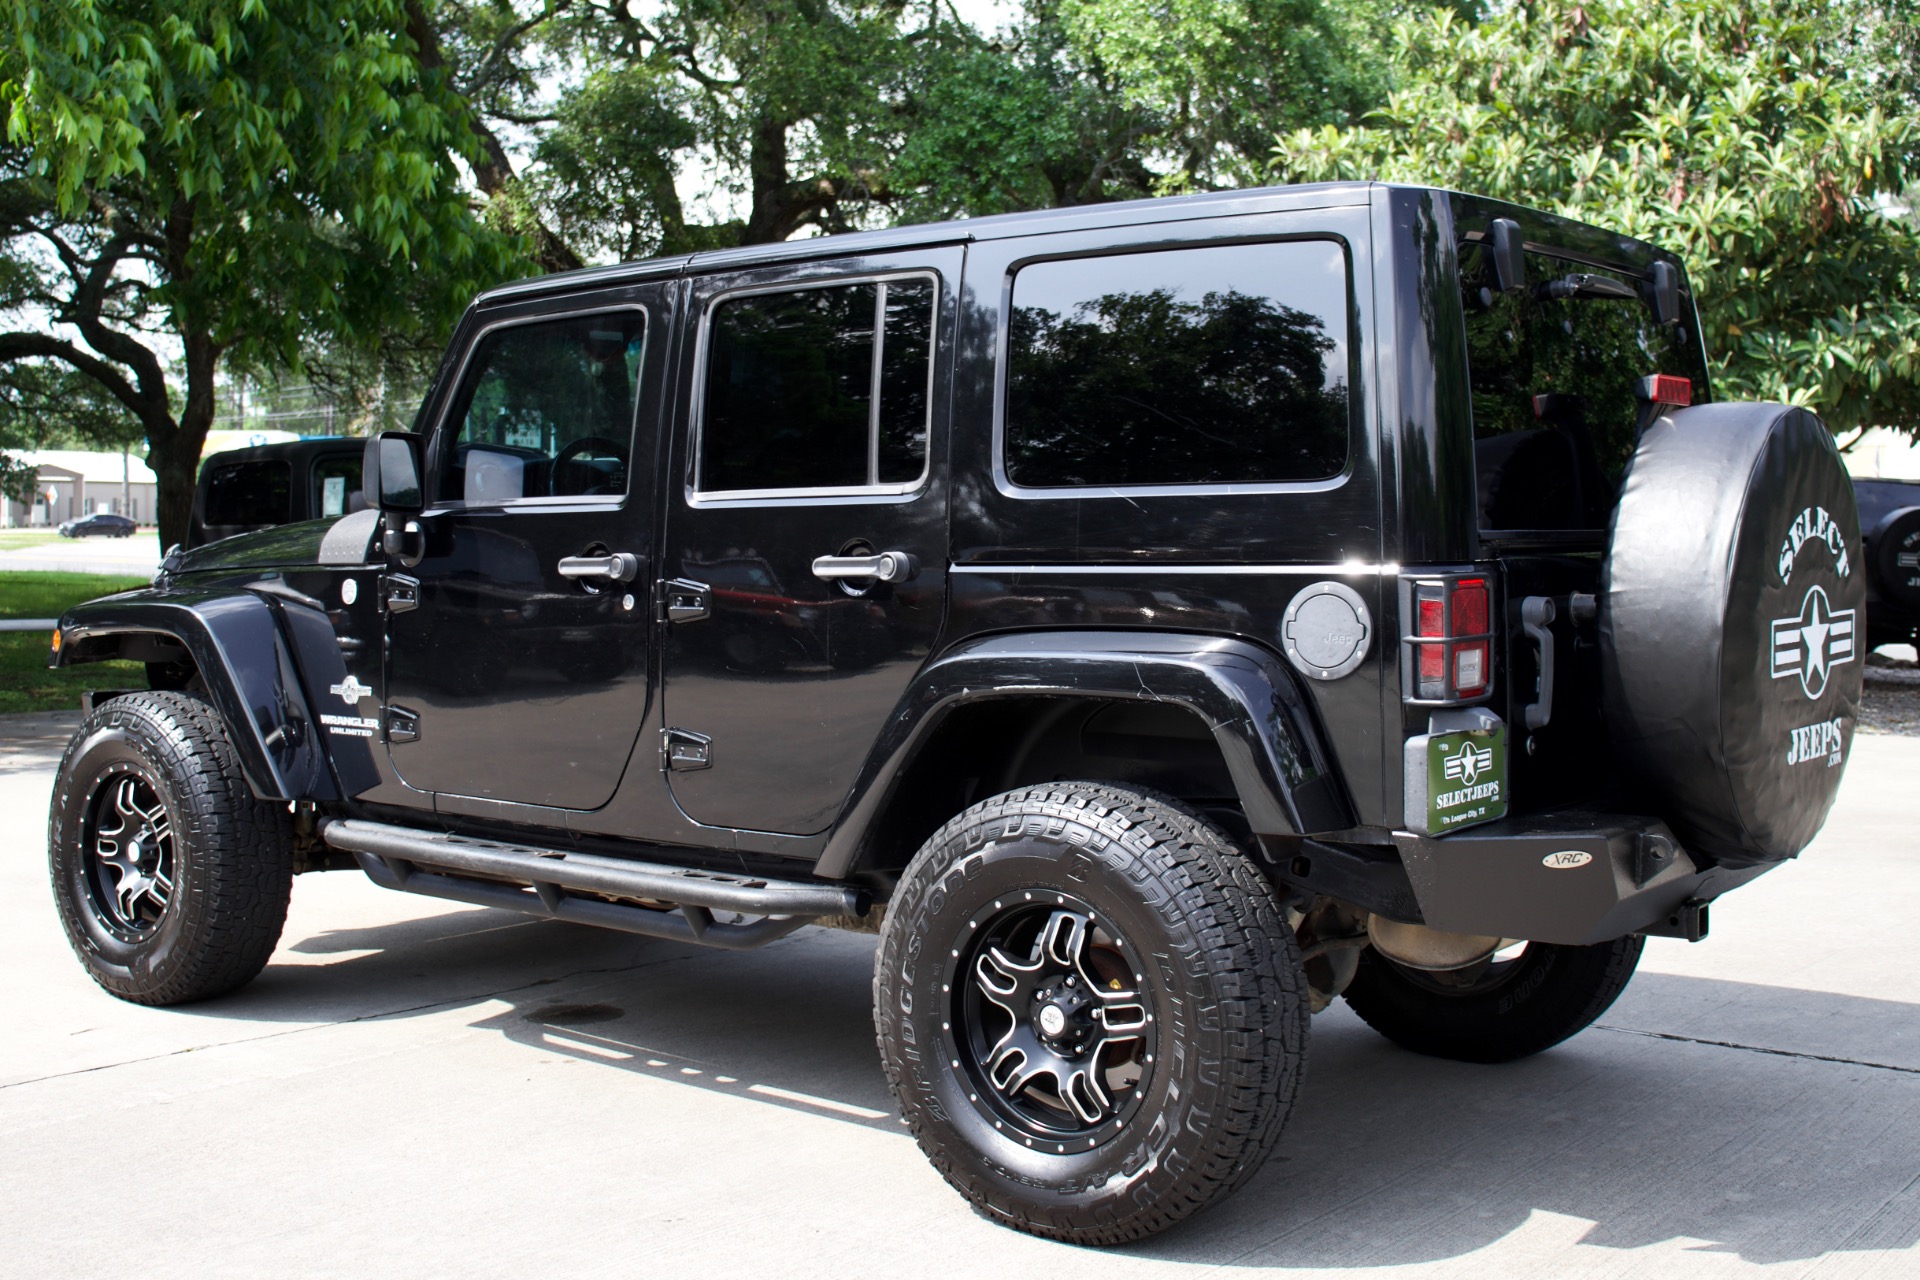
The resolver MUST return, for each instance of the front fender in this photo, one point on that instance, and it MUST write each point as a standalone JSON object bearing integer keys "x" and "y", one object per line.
{"x": 1274, "y": 753}
{"x": 251, "y": 647}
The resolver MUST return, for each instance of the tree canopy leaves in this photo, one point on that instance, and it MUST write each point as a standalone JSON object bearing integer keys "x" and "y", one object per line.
{"x": 215, "y": 183}
{"x": 1752, "y": 137}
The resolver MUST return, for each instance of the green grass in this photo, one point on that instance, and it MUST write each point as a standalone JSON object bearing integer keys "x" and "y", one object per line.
{"x": 14, "y": 539}
{"x": 26, "y": 682}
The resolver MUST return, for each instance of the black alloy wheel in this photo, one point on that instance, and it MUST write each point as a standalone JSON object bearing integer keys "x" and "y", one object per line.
{"x": 127, "y": 853}
{"x": 1050, "y": 1021}
{"x": 1090, "y": 1009}
{"x": 171, "y": 877}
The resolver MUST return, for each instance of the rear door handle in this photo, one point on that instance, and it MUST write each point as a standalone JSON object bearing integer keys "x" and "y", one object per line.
{"x": 621, "y": 566}
{"x": 885, "y": 566}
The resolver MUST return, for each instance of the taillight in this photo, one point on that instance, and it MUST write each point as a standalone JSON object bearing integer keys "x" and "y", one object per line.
{"x": 1450, "y": 638}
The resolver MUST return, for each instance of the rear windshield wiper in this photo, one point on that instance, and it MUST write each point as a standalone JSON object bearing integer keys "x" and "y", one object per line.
{"x": 1582, "y": 285}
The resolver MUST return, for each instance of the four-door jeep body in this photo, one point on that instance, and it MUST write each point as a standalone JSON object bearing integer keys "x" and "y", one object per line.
{"x": 1156, "y": 619}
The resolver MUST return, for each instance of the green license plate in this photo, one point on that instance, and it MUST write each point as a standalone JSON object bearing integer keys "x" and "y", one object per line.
{"x": 1466, "y": 779}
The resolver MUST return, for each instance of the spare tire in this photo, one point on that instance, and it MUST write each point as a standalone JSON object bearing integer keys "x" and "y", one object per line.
{"x": 1732, "y": 629}
{"x": 1894, "y": 549}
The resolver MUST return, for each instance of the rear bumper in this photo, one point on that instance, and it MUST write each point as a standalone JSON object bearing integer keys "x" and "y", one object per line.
{"x": 1571, "y": 876}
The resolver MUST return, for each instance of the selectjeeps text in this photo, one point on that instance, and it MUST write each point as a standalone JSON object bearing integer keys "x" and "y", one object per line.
{"x": 1156, "y": 620}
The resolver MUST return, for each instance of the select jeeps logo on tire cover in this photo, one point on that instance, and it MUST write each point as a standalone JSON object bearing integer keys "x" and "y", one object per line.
{"x": 1812, "y": 643}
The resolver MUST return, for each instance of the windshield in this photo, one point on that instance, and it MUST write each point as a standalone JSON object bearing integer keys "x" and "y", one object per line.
{"x": 1554, "y": 412}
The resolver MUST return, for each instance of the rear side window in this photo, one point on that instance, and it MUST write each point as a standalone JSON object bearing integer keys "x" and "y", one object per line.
{"x": 818, "y": 389}
{"x": 250, "y": 493}
{"x": 1222, "y": 365}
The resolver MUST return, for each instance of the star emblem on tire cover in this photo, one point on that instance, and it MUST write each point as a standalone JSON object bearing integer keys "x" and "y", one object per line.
{"x": 1812, "y": 643}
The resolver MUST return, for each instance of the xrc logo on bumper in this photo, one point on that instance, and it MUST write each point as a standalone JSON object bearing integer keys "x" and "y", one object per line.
{"x": 1812, "y": 644}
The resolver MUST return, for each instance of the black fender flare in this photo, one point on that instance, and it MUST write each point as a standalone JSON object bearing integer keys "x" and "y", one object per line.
{"x": 1249, "y": 700}
{"x": 266, "y": 654}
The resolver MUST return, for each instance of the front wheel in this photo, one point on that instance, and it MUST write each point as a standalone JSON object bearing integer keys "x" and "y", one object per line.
{"x": 1090, "y": 1009}
{"x": 172, "y": 879}
{"x": 1510, "y": 1006}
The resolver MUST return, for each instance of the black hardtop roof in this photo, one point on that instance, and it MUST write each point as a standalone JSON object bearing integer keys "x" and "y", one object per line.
{"x": 1213, "y": 204}
{"x": 288, "y": 449}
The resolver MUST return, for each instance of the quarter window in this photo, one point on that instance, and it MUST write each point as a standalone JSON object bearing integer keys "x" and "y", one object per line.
{"x": 1222, "y": 365}
{"x": 250, "y": 493}
{"x": 822, "y": 388}
{"x": 547, "y": 411}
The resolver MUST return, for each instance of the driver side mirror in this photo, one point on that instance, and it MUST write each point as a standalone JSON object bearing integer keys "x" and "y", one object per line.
{"x": 390, "y": 473}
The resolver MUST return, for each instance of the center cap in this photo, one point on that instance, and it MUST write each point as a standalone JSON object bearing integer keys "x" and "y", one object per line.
{"x": 1052, "y": 1020}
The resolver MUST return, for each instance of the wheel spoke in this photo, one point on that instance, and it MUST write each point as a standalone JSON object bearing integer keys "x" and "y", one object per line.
{"x": 1064, "y": 939}
{"x": 1081, "y": 1091}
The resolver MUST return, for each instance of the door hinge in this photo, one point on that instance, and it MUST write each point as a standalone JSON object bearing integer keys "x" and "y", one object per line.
{"x": 402, "y": 725}
{"x": 684, "y": 600}
{"x": 685, "y": 749}
{"x": 400, "y": 592}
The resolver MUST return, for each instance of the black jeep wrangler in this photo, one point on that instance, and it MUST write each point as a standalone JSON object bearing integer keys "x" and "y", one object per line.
{"x": 1156, "y": 620}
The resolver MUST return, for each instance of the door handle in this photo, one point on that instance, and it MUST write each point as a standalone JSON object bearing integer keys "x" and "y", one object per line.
{"x": 621, "y": 566}
{"x": 886, "y": 566}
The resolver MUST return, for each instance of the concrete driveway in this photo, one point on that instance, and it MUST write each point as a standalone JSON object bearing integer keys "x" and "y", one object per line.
{"x": 418, "y": 1089}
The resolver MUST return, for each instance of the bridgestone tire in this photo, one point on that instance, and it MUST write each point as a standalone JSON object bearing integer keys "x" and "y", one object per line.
{"x": 227, "y": 867}
{"x": 1733, "y": 629}
{"x": 1517, "y": 1009}
{"x": 1894, "y": 540}
{"x": 1220, "y": 974}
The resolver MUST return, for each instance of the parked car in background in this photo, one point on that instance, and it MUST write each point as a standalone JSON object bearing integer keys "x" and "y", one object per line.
{"x": 101, "y": 524}
{"x": 1890, "y": 525}
{"x": 242, "y": 490}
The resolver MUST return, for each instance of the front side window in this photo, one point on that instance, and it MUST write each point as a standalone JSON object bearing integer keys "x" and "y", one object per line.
{"x": 1221, "y": 365}
{"x": 250, "y": 493}
{"x": 547, "y": 411}
{"x": 822, "y": 388}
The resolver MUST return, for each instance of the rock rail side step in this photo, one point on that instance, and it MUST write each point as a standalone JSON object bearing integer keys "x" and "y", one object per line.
{"x": 443, "y": 866}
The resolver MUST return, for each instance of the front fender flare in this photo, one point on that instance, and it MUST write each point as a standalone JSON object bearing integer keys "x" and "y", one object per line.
{"x": 251, "y": 648}
{"x": 1279, "y": 763}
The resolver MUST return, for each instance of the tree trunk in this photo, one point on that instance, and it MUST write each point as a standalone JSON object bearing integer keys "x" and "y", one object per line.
{"x": 176, "y": 465}
{"x": 173, "y": 447}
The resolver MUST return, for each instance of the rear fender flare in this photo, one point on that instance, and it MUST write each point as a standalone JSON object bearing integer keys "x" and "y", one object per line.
{"x": 251, "y": 649}
{"x": 1279, "y": 763}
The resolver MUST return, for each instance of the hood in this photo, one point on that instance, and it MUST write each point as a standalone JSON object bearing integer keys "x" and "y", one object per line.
{"x": 281, "y": 547}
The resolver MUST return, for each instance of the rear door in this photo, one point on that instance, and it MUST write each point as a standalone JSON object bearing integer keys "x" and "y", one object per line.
{"x": 815, "y": 428}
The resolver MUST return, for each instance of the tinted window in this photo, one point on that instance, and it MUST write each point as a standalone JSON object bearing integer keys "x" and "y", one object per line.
{"x": 818, "y": 388}
{"x": 250, "y": 493}
{"x": 1553, "y": 380}
{"x": 547, "y": 411}
{"x": 1222, "y": 365}
{"x": 336, "y": 486}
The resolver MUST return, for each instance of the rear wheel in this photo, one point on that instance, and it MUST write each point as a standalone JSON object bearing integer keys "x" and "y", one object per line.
{"x": 1509, "y": 1006}
{"x": 171, "y": 877}
{"x": 1090, "y": 1009}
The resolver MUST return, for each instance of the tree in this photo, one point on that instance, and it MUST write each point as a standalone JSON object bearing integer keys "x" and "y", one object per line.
{"x": 830, "y": 115}
{"x": 1749, "y": 136}
{"x": 209, "y": 185}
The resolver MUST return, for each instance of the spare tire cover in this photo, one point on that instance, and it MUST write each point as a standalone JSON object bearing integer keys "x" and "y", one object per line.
{"x": 1732, "y": 628}
{"x": 1895, "y": 551}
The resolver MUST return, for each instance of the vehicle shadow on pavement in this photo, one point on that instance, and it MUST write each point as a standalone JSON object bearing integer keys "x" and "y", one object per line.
{"x": 1620, "y": 1139}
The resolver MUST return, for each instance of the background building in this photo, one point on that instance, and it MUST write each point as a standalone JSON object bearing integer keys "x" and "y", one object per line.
{"x": 69, "y": 483}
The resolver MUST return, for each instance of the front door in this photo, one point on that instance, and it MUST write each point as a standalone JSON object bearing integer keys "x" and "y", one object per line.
{"x": 517, "y": 646}
{"x": 806, "y": 525}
